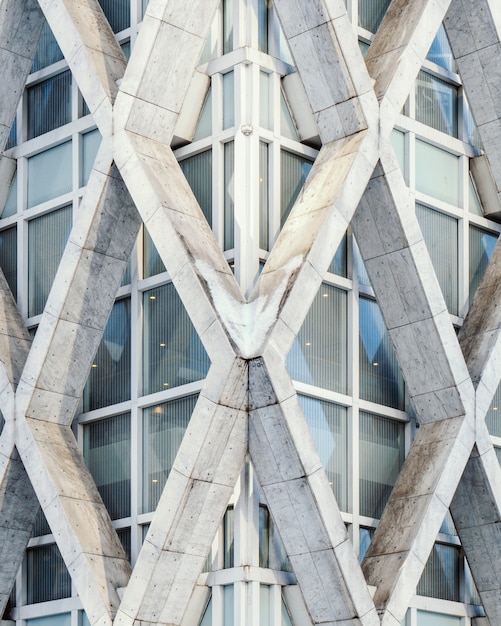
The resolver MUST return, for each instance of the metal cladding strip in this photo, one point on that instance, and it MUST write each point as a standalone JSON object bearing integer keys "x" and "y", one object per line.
{"x": 21, "y": 23}
{"x": 473, "y": 28}
{"x": 51, "y": 385}
{"x": 301, "y": 500}
{"x": 92, "y": 52}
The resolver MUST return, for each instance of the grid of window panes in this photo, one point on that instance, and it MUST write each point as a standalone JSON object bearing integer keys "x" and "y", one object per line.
{"x": 150, "y": 366}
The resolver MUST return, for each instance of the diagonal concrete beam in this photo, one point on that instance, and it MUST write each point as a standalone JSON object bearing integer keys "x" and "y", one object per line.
{"x": 438, "y": 382}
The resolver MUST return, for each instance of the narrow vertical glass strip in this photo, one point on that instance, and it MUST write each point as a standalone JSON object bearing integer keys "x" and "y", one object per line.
{"x": 398, "y": 142}
{"x": 264, "y": 605}
{"x": 339, "y": 263}
{"x": 287, "y": 126}
{"x": 90, "y": 145}
{"x": 440, "y": 234}
{"x": 109, "y": 377}
{"x": 229, "y": 194}
{"x": 319, "y": 355}
{"x": 264, "y": 536}
{"x": 228, "y": 605}
{"x": 295, "y": 170}
{"x": 152, "y": 263}
{"x": 481, "y": 248}
{"x": 107, "y": 451}
{"x": 198, "y": 172}
{"x": 173, "y": 354}
{"x": 46, "y": 575}
{"x": 229, "y": 538}
{"x": 49, "y": 174}
{"x": 204, "y": 126}
{"x": 381, "y": 380}
{"x": 328, "y": 425}
{"x": 265, "y": 110}
{"x": 264, "y": 206}
{"x": 228, "y": 100}
{"x": 262, "y": 25}
{"x": 48, "y": 51}
{"x": 381, "y": 457}
{"x": 8, "y": 257}
{"x": 47, "y": 236}
{"x": 49, "y": 104}
{"x": 164, "y": 426}
{"x": 10, "y": 207}
{"x": 12, "y": 139}
{"x": 227, "y": 26}
{"x": 437, "y": 103}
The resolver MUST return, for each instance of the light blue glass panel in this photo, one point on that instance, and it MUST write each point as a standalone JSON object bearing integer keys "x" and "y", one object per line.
{"x": 287, "y": 126}
{"x": 228, "y": 606}
{"x": 474, "y": 203}
{"x": 319, "y": 354}
{"x": 380, "y": 378}
{"x": 164, "y": 426}
{"x": 173, "y": 354}
{"x": 48, "y": 51}
{"x": 198, "y": 172}
{"x": 381, "y": 457}
{"x": 47, "y": 236}
{"x": 264, "y": 605}
{"x": 229, "y": 538}
{"x": 144, "y": 6}
{"x": 440, "y": 578}
{"x": 365, "y": 538}
{"x": 227, "y": 26}
{"x": 426, "y": 618}
{"x": 437, "y": 103}
{"x": 371, "y": 13}
{"x": 493, "y": 416}
{"x": 204, "y": 126}
{"x": 8, "y": 257}
{"x": 12, "y": 139}
{"x": 264, "y": 536}
{"x": 264, "y": 202}
{"x": 328, "y": 425}
{"x": 10, "y": 207}
{"x": 117, "y": 12}
{"x": 339, "y": 263}
{"x": 265, "y": 110}
{"x": 262, "y": 24}
{"x": 63, "y": 619}
{"x": 107, "y": 455}
{"x": 90, "y": 145}
{"x": 152, "y": 263}
{"x": 229, "y": 195}
{"x": 49, "y": 174}
{"x": 440, "y": 51}
{"x": 228, "y": 100}
{"x": 46, "y": 575}
{"x": 437, "y": 172}
{"x": 398, "y": 142}
{"x": 440, "y": 234}
{"x": 295, "y": 170}
{"x": 481, "y": 248}
{"x": 109, "y": 377}
{"x": 286, "y": 620}
{"x": 49, "y": 104}
{"x": 83, "y": 619}
{"x": 207, "y": 618}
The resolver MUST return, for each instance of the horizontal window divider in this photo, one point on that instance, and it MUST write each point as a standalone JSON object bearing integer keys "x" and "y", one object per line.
{"x": 436, "y": 605}
{"x": 383, "y": 411}
{"x": 104, "y": 412}
{"x": 160, "y": 397}
{"x": 53, "y": 138}
{"x": 250, "y": 573}
{"x": 144, "y": 284}
{"x": 318, "y": 393}
{"x": 52, "y": 607}
{"x": 429, "y": 134}
{"x": 47, "y": 72}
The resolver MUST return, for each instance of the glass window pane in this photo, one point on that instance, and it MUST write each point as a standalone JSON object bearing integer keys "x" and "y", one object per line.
{"x": 228, "y": 606}
{"x": 173, "y": 354}
{"x": 319, "y": 353}
{"x": 328, "y": 424}
{"x": 107, "y": 455}
{"x": 440, "y": 233}
{"x": 117, "y": 12}
{"x": 365, "y": 538}
{"x": 381, "y": 457}
{"x": 48, "y": 51}
{"x": 229, "y": 195}
{"x": 381, "y": 380}
{"x": 152, "y": 263}
{"x": 49, "y": 104}
{"x": 47, "y": 236}
{"x": 371, "y": 13}
{"x": 204, "y": 126}
{"x": 207, "y": 618}
{"x": 481, "y": 249}
{"x": 264, "y": 206}
{"x": 229, "y": 538}
{"x": 295, "y": 170}
{"x": 440, "y": 578}
{"x": 264, "y": 605}
{"x": 264, "y": 536}
{"x": 440, "y": 51}
{"x": 10, "y": 207}
{"x": 437, "y": 173}
{"x": 287, "y": 126}
{"x": 426, "y": 618}
{"x": 286, "y": 620}
{"x": 198, "y": 172}
{"x": 8, "y": 257}
{"x": 436, "y": 103}
{"x": 262, "y": 25}
{"x": 228, "y": 100}
{"x": 265, "y": 110}
{"x": 12, "y": 138}
{"x": 46, "y": 575}
{"x": 493, "y": 417}
{"x": 109, "y": 377}
{"x": 474, "y": 203}
{"x": 339, "y": 264}
{"x": 227, "y": 26}
{"x": 63, "y": 619}
{"x": 164, "y": 426}
{"x": 90, "y": 145}
{"x": 398, "y": 142}
{"x": 49, "y": 174}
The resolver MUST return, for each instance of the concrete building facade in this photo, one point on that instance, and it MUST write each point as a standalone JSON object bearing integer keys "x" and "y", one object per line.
{"x": 249, "y": 312}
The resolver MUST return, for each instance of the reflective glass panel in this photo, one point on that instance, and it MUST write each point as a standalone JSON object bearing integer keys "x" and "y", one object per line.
{"x": 493, "y": 417}
{"x": 49, "y": 104}
{"x": 63, "y": 619}
{"x": 319, "y": 354}
{"x": 8, "y": 257}
{"x": 198, "y": 172}
{"x": 440, "y": 51}
{"x": 152, "y": 263}
{"x": 48, "y": 51}
{"x": 90, "y": 145}
{"x": 204, "y": 126}
{"x": 264, "y": 205}
{"x": 49, "y": 174}
{"x": 436, "y": 103}
{"x": 229, "y": 99}
{"x": 10, "y": 207}
{"x": 437, "y": 172}
{"x": 371, "y": 13}
{"x": 46, "y": 575}
{"x": 164, "y": 426}
{"x": 481, "y": 248}
{"x": 440, "y": 578}
{"x": 173, "y": 354}
{"x": 117, "y": 12}
{"x": 295, "y": 170}
{"x": 229, "y": 195}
